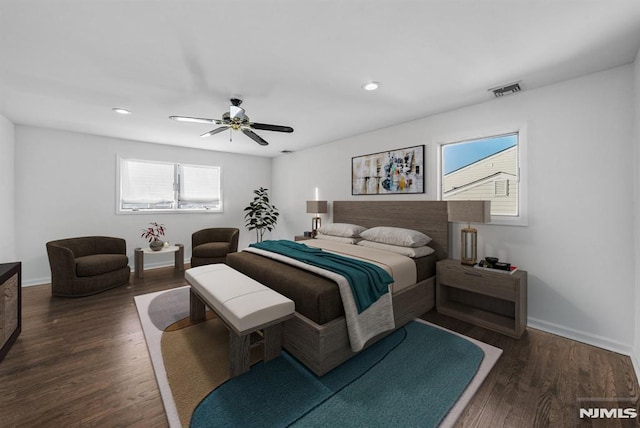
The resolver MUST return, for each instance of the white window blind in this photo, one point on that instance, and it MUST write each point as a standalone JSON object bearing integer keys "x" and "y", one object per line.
{"x": 161, "y": 186}
{"x": 199, "y": 186}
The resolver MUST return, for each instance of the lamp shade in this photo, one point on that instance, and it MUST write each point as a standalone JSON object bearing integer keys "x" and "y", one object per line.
{"x": 469, "y": 211}
{"x": 317, "y": 207}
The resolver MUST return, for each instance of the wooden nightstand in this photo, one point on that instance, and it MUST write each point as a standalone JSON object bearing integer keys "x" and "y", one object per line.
{"x": 493, "y": 300}
{"x": 301, "y": 238}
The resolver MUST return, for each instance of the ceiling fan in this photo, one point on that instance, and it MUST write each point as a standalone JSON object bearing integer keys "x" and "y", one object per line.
{"x": 237, "y": 120}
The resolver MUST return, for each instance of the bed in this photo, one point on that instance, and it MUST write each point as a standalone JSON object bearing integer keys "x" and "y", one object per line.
{"x": 317, "y": 335}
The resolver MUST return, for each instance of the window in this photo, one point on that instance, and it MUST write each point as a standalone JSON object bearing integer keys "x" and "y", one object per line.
{"x": 485, "y": 169}
{"x": 161, "y": 186}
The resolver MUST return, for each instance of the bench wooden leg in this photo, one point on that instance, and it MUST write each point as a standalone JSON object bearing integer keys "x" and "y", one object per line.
{"x": 196, "y": 308}
{"x": 272, "y": 341}
{"x": 239, "y": 353}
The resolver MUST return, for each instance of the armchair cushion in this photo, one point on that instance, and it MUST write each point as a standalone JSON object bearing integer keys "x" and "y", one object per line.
{"x": 212, "y": 249}
{"x": 98, "y": 264}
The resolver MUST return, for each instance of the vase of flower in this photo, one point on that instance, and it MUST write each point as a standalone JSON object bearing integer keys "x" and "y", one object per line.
{"x": 156, "y": 245}
{"x": 153, "y": 234}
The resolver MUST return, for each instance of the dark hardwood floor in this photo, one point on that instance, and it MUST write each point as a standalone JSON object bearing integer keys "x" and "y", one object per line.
{"x": 542, "y": 380}
{"x": 84, "y": 362}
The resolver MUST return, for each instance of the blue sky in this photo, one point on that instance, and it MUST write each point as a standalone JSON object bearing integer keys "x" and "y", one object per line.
{"x": 457, "y": 155}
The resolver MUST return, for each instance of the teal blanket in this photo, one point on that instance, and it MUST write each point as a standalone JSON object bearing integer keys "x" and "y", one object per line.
{"x": 368, "y": 282}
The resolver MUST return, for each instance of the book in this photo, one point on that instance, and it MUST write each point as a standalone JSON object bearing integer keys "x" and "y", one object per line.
{"x": 511, "y": 270}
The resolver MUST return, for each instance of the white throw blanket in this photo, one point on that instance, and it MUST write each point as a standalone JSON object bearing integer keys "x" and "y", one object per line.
{"x": 376, "y": 319}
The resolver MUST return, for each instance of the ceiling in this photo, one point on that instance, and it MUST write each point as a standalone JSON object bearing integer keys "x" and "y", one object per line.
{"x": 65, "y": 64}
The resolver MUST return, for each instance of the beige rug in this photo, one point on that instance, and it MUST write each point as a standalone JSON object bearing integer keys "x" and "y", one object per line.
{"x": 196, "y": 359}
{"x": 190, "y": 361}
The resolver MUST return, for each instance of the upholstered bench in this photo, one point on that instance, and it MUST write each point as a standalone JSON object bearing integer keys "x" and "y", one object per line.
{"x": 244, "y": 305}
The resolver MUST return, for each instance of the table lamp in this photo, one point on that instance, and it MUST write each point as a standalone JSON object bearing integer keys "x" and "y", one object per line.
{"x": 317, "y": 208}
{"x": 469, "y": 212}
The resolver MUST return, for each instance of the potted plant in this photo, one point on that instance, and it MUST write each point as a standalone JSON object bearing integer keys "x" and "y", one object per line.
{"x": 153, "y": 234}
{"x": 260, "y": 215}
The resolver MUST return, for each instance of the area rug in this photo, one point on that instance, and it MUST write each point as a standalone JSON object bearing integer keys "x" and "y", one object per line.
{"x": 417, "y": 376}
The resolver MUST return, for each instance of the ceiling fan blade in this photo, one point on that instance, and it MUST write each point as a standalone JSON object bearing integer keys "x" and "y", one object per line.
{"x": 255, "y": 137}
{"x": 214, "y": 131}
{"x": 194, "y": 119}
{"x": 267, "y": 127}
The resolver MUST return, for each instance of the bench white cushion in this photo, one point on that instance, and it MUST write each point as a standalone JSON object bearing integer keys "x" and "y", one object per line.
{"x": 241, "y": 301}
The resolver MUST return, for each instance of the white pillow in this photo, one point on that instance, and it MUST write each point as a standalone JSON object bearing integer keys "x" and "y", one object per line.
{"x": 396, "y": 236}
{"x": 342, "y": 229}
{"x": 413, "y": 252}
{"x": 338, "y": 238}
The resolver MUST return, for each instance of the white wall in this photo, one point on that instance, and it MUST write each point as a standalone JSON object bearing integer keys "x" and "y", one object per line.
{"x": 7, "y": 211}
{"x": 65, "y": 186}
{"x": 578, "y": 246}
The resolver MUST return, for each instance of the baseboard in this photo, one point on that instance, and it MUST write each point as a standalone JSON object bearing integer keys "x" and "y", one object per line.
{"x": 583, "y": 337}
{"x": 147, "y": 266}
{"x": 38, "y": 281}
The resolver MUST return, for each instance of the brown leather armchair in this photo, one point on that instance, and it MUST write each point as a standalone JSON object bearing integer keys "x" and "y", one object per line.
{"x": 209, "y": 246}
{"x": 87, "y": 265}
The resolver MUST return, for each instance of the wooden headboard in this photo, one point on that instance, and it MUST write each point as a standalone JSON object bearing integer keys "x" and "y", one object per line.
{"x": 428, "y": 217}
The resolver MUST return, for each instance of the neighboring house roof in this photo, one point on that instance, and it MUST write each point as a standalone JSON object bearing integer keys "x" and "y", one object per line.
{"x": 480, "y": 182}
{"x": 502, "y": 162}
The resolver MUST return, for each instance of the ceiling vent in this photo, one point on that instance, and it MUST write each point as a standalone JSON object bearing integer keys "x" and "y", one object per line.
{"x": 511, "y": 88}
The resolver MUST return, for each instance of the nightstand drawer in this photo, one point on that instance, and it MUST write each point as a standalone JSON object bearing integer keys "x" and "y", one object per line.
{"x": 502, "y": 286}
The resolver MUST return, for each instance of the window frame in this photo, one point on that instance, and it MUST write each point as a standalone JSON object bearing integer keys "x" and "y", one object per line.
{"x": 177, "y": 168}
{"x": 522, "y": 219}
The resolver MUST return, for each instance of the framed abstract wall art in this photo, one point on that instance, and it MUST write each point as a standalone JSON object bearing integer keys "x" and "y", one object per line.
{"x": 399, "y": 171}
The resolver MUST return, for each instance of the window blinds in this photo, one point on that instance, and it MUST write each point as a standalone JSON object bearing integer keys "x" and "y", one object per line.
{"x": 199, "y": 185}
{"x": 147, "y": 182}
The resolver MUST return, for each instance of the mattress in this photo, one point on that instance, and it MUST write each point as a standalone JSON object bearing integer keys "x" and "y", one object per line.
{"x": 315, "y": 297}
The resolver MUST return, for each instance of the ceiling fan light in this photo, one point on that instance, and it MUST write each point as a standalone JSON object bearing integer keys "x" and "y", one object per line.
{"x": 121, "y": 110}
{"x": 371, "y": 86}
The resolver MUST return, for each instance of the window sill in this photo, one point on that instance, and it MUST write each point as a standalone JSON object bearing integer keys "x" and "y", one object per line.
{"x": 508, "y": 221}
{"x": 184, "y": 211}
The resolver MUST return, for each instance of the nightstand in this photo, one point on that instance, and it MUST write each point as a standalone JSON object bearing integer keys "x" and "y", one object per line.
{"x": 493, "y": 300}
{"x": 302, "y": 238}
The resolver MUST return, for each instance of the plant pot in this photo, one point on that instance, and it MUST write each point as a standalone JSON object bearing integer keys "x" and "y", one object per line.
{"x": 156, "y": 245}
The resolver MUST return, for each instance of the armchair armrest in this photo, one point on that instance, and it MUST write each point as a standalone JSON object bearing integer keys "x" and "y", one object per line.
{"x": 61, "y": 261}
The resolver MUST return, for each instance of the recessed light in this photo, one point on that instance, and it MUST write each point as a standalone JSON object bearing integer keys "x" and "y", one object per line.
{"x": 121, "y": 110}
{"x": 371, "y": 86}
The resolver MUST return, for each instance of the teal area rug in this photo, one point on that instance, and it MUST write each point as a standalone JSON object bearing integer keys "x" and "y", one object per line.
{"x": 411, "y": 378}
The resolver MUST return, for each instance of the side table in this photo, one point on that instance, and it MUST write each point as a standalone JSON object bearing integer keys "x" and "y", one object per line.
{"x": 139, "y": 253}
{"x": 493, "y": 300}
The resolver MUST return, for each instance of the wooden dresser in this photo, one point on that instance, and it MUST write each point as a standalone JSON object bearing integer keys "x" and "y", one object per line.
{"x": 10, "y": 305}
